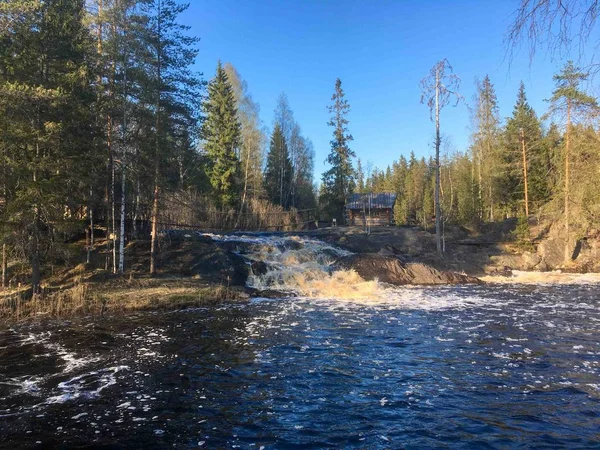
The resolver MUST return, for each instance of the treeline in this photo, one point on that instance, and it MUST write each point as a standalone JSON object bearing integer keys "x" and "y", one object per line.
{"x": 105, "y": 127}
{"x": 514, "y": 167}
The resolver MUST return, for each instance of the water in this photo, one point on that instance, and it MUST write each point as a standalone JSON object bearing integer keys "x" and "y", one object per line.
{"x": 492, "y": 366}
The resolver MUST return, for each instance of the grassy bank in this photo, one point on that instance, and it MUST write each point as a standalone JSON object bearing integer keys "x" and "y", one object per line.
{"x": 73, "y": 289}
{"x": 114, "y": 296}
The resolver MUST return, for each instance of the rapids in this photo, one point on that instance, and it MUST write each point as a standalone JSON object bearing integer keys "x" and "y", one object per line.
{"x": 492, "y": 366}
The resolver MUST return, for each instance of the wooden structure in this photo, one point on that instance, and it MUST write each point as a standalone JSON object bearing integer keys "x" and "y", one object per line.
{"x": 375, "y": 208}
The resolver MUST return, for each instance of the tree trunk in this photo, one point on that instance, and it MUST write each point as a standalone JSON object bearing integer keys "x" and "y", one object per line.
{"x": 87, "y": 245}
{"x": 113, "y": 219}
{"x": 91, "y": 222}
{"x": 4, "y": 267}
{"x": 438, "y": 209}
{"x": 155, "y": 207}
{"x": 245, "y": 188}
{"x": 136, "y": 215}
{"x": 491, "y": 199}
{"x": 525, "y": 173}
{"x": 36, "y": 275}
{"x": 153, "y": 249}
{"x": 122, "y": 231}
{"x": 480, "y": 181}
{"x": 567, "y": 149}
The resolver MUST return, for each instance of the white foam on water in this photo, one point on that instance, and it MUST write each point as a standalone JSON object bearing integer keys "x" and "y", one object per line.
{"x": 544, "y": 278}
{"x": 303, "y": 266}
{"x": 88, "y": 385}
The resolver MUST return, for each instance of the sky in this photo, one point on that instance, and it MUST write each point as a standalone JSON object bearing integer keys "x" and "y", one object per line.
{"x": 380, "y": 50}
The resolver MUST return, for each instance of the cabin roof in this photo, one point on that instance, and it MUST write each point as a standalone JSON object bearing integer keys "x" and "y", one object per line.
{"x": 379, "y": 200}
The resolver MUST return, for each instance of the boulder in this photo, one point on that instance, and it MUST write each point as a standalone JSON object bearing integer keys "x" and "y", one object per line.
{"x": 259, "y": 268}
{"x": 531, "y": 261}
{"x": 224, "y": 266}
{"x": 552, "y": 252}
{"x": 389, "y": 269}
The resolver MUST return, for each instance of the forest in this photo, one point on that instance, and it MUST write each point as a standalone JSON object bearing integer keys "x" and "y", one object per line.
{"x": 109, "y": 135}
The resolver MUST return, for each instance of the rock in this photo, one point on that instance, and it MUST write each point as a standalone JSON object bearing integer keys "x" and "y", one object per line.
{"x": 225, "y": 266}
{"x": 530, "y": 261}
{"x": 552, "y": 251}
{"x": 259, "y": 268}
{"x": 269, "y": 293}
{"x": 502, "y": 272}
{"x": 359, "y": 244}
{"x": 389, "y": 269}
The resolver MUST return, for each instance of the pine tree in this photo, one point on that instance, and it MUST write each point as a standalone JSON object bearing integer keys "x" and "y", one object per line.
{"x": 278, "y": 163}
{"x": 222, "y": 135}
{"x": 46, "y": 92}
{"x": 167, "y": 93}
{"x": 571, "y": 103}
{"x": 486, "y": 155}
{"x": 338, "y": 181}
{"x": 521, "y": 150}
{"x": 360, "y": 177}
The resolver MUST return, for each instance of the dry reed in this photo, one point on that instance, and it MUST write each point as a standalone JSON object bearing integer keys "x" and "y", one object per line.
{"x": 85, "y": 298}
{"x": 191, "y": 210}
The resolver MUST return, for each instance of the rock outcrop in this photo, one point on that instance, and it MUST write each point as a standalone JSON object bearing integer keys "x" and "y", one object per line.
{"x": 389, "y": 269}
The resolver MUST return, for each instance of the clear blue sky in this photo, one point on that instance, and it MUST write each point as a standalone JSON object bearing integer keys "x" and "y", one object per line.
{"x": 380, "y": 50}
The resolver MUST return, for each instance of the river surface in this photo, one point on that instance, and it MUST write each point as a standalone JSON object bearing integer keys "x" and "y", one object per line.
{"x": 495, "y": 366}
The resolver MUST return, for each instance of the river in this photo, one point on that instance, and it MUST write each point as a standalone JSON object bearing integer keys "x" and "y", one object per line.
{"x": 491, "y": 366}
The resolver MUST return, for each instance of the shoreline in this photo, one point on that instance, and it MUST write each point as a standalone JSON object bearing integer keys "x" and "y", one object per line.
{"x": 197, "y": 271}
{"x": 116, "y": 296}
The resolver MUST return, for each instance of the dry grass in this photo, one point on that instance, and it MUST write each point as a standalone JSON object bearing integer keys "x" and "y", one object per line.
{"x": 116, "y": 296}
{"x": 188, "y": 209}
{"x": 89, "y": 290}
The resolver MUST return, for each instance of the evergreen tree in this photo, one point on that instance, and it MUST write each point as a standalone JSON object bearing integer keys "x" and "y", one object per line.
{"x": 571, "y": 103}
{"x": 45, "y": 92}
{"x": 338, "y": 181}
{"x": 252, "y": 138}
{"x": 222, "y": 135}
{"x": 522, "y": 154}
{"x": 303, "y": 190}
{"x": 168, "y": 93}
{"x": 360, "y": 177}
{"x": 278, "y": 174}
{"x": 486, "y": 155}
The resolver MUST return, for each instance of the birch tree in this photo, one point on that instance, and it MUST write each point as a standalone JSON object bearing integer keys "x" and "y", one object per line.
{"x": 438, "y": 89}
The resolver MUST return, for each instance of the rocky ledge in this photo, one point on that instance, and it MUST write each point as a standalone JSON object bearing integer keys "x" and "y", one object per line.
{"x": 389, "y": 269}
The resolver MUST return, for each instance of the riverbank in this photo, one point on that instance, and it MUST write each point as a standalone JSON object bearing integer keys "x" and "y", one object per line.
{"x": 86, "y": 297}
{"x": 193, "y": 272}
{"x": 199, "y": 270}
{"x": 493, "y": 250}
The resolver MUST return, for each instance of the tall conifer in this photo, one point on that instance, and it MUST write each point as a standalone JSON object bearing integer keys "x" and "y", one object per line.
{"x": 222, "y": 135}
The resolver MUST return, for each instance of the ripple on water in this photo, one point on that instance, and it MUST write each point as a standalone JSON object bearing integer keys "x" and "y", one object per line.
{"x": 479, "y": 366}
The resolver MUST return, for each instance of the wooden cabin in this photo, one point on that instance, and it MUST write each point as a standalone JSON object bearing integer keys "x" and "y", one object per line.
{"x": 376, "y": 208}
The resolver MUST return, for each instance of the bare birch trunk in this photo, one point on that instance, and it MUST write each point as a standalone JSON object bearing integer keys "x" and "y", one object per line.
{"x": 438, "y": 209}
{"x": 245, "y": 187}
{"x": 4, "y": 267}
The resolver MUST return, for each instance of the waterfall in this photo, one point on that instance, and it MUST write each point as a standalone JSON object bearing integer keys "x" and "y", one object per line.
{"x": 300, "y": 266}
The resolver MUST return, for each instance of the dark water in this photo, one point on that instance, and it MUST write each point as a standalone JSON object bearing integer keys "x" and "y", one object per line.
{"x": 468, "y": 367}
